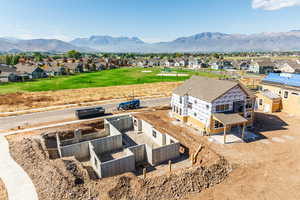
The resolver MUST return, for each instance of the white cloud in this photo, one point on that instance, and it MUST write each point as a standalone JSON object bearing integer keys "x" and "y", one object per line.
{"x": 274, "y": 4}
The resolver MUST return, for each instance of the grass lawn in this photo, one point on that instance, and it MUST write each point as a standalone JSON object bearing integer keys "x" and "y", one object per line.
{"x": 121, "y": 76}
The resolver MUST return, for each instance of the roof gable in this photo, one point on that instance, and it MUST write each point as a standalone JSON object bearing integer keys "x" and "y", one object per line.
{"x": 203, "y": 88}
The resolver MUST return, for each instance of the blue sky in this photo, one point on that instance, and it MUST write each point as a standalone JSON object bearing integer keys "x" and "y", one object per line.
{"x": 150, "y": 20}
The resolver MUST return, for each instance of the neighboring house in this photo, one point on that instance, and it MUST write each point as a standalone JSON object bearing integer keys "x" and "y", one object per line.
{"x": 261, "y": 67}
{"x": 34, "y": 72}
{"x": 213, "y": 105}
{"x": 194, "y": 64}
{"x": 75, "y": 67}
{"x": 227, "y": 64}
{"x": 285, "y": 86}
{"x": 216, "y": 65}
{"x": 8, "y": 74}
{"x": 268, "y": 101}
{"x": 289, "y": 67}
{"x": 182, "y": 63}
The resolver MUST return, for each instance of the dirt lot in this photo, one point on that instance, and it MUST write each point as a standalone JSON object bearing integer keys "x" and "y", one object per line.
{"x": 69, "y": 179}
{"x": 265, "y": 169}
{"x": 3, "y": 193}
{"x": 268, "y": 168}
{"x": 30, "y": 100}
{"x": 187, "y": 136}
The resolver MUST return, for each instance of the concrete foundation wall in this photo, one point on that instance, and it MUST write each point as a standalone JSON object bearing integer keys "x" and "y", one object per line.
{"x": 165, "y": 153}
{"x": 118, "y": 166}
{"x": 148, "y": 130}
{"x": 170, "y": 139}
{"x": 79, "y": 150}
{"x": 95, "y": 161}
{"x": 122, "y": 123}
{"x": 107, "y": 144}
{"x": 139, "y": 152}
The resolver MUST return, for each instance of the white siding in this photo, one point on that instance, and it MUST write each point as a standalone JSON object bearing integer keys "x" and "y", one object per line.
{"x": 235, "y": 94}
{"x": 201, "y": 108}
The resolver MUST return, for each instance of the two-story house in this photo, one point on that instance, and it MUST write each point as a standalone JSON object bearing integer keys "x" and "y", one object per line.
{"x": 284, "y": 93}
{"x": 261, "y": 67}
{"x": 213, "y": 106}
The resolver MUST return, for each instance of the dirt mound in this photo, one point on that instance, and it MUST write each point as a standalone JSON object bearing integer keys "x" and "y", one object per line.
{"x": 3, "y": 192}
{"x": 53, "y": 179}
{"x": 175, "y": 186}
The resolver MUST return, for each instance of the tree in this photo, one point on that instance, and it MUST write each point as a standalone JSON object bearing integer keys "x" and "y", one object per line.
{"x": 74, "y": 54}
{"x": 37, "y": 56}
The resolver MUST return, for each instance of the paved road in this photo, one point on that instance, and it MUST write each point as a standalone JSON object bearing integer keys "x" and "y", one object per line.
{"x": 57, "y": 115}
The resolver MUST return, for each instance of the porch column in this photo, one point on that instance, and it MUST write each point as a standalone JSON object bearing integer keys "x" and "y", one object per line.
{"x": 243, "y": 131}
{"x": 224, "y": 134}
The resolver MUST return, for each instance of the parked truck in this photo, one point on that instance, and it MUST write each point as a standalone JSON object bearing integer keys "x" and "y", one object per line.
{"x": 133, "y": 104}
{"x": 89, "y": 112}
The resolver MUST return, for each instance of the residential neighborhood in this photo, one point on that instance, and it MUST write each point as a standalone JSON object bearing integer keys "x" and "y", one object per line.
{"x": 150, "y": 100}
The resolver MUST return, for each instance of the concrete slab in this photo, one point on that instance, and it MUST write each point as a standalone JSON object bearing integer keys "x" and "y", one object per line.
{"x": 277, "y": 139}
{"x": 265, "y": 141}
{"x": 17, "y": 182}
{"x": 230, "y": 138}
{"x": 288, "y": 137}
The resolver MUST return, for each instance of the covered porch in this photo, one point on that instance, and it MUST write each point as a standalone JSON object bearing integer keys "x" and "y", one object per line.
{"x": 232, "y": 122}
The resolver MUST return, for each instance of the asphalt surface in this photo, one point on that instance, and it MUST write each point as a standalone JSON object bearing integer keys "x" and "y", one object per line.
{"x": 65, "y": 114}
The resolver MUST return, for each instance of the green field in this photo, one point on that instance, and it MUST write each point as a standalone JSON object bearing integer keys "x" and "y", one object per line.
{"x": 121, "y": 76}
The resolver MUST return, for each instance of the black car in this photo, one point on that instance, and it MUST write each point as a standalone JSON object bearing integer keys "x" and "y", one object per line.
{"x": 89, "y": 112}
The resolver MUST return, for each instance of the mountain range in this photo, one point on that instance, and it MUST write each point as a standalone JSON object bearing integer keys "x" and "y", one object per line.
{"x": 202, "y": 42}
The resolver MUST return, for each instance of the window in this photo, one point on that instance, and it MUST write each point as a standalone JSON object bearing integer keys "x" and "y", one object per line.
{"x": 260, "y": 102}
{"x": 248, "y": 116}
{"x": 95, "y": 161}
{"x": 195, "y": 101}
{"x": 249, "y": 104}
{"x": 195, "y": 114}
{"x": 180, "y": 100}
{"x": 154, "y": 133}
{"x": 172, "y": 141}
{"x": 135, "y": 122}
{"x": 294, "y": 93}
{"x": 180, "y": 111}
{"x": 222, "y": 108}
{"x": 190, "y": 105}
{"x": 218, "y": 124}
{"x": 279, "y": 92}
{"x": 286, "y": 94}
{"x": 207, "y": 107}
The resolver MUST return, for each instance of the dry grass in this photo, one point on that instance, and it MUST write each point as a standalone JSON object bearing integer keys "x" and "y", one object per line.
{"x": 29, "y": 100}
{"x": 3, "y": 192}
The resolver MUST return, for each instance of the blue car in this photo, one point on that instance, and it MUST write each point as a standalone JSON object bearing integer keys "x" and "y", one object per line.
{"x": 129, "y": 105}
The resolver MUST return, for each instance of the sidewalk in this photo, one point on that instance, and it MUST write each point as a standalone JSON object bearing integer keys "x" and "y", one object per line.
{"x": 18, "y": 184}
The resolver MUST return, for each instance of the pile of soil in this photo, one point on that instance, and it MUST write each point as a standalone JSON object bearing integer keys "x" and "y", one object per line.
{"x": 67, "y": 178}
{"x": 175, "y": 186}
{"x": 53, "y": 179}
{"x": 3, "y": 192}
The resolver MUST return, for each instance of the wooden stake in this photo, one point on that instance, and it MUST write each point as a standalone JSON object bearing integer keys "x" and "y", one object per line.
{"x": 144, "y": 173}
{"x": 224, "y": 134}
{"x": 170, "y": 166}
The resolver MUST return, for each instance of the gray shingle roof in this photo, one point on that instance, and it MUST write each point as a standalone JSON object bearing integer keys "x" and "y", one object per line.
{"x": 207, "y": 89}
